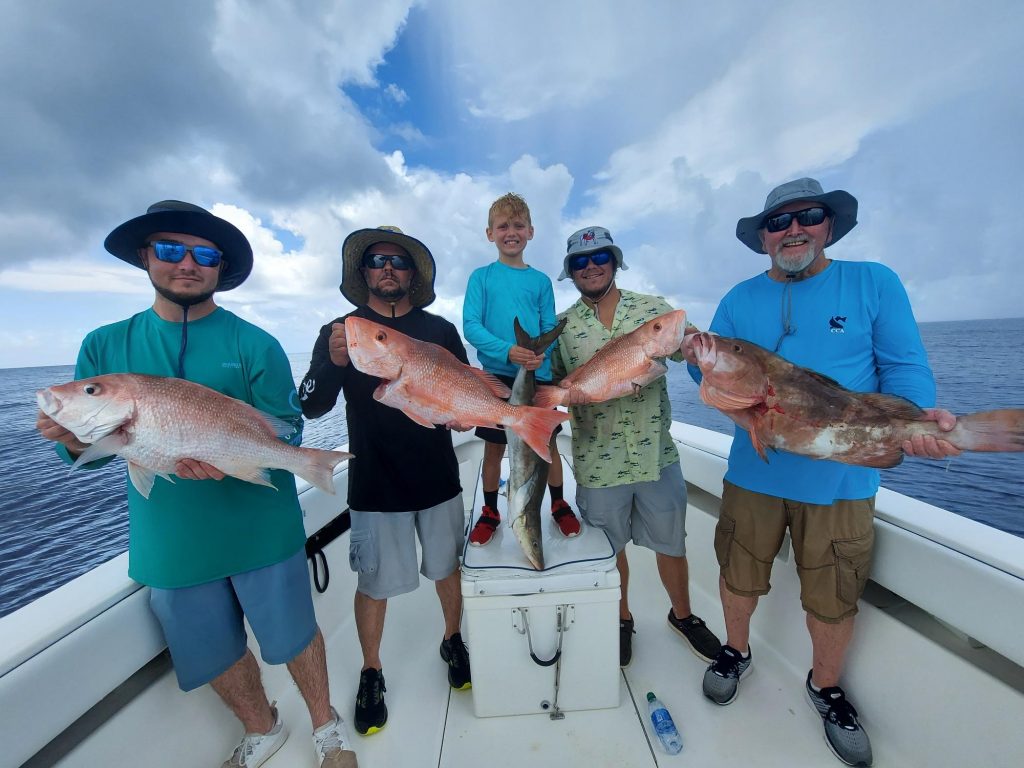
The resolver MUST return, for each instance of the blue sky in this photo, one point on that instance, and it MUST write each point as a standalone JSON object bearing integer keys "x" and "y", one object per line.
{"x": 665, "y": 122}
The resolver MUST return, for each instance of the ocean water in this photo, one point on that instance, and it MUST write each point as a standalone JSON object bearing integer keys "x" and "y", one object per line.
{"x": 56, "y": 524}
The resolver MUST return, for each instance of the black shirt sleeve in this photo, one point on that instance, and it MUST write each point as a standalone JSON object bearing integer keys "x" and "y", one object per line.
{"x": 321, "y": 385}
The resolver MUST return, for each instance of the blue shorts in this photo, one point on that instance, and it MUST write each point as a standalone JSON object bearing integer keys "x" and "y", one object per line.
{"x": 652, "y": 513}
{"x": 382, "y": 547}
{"x": 203, "y": 624}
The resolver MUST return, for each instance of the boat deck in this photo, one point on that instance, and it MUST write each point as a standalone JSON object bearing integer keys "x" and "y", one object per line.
{"x": 928, "y": 695}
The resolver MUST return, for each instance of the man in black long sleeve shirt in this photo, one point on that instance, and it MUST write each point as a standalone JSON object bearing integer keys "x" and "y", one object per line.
{"x": 404, "y": 479}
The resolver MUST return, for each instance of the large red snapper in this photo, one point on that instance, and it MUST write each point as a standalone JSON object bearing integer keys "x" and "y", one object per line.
{"x": 789, "y": 408}
{"x": 154, "y": 422}
{"x": 431, "y": 386}
{"x": 622, "y": 366}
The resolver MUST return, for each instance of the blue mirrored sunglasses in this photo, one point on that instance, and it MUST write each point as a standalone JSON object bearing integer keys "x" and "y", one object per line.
{"x": 203, "y": 255}
{"x": 579, "y": 262}
{"x": 808, "y": 217}
{"x": 378, "y": 260}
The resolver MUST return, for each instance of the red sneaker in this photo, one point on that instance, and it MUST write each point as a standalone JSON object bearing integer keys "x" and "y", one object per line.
{"x": 482, "y": 532}
{"x": 567, "y": 521}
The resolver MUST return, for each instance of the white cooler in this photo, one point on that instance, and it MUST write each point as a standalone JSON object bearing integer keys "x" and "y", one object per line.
{"x": 542, "y": 641}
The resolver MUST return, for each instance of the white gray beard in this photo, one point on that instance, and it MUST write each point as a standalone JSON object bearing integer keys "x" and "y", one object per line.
{"x": 792, "y": 263}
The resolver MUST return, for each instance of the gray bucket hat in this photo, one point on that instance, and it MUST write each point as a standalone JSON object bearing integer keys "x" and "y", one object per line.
{"x": 590, "y": 240}
{"x": 353, "y": 286}
{"x": 176, "y": 216}
{"x": 842, "y": 204}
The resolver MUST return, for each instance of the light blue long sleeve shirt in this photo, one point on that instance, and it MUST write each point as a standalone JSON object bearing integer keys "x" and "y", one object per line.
{"x": 852, "y": 322}
{"x": 497, "y": 294}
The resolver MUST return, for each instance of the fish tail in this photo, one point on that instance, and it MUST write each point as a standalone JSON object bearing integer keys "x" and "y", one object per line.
{"x": 535, "y": 426}
{"x": 537, "y": 344}
{"x": 1001, "y": 430}
{"x": 547, "y": 396}
{"x": 317, "y": 467}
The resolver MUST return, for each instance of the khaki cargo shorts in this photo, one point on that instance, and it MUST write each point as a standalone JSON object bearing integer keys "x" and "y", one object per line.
{"x": 832, "y": 546}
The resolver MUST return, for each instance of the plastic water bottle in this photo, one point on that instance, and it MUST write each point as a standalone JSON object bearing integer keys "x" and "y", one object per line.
{"x": 663, "y": 725}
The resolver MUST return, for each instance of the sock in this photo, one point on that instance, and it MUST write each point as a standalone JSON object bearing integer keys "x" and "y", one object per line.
{"x": 491, "y": 499}
{"x": 814, "y": 688}
{"x": 556, "y": 493}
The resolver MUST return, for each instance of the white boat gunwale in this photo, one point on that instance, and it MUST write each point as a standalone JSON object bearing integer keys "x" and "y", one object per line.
{"x": 948, "y": 572}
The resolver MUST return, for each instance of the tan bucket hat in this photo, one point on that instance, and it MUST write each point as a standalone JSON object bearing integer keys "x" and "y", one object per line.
{"x": 353, "y": 285}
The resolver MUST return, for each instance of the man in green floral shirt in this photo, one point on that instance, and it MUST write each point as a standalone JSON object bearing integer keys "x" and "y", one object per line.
{"x": 628, "y": 479}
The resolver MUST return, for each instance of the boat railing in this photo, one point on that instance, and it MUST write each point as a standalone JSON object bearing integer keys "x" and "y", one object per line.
{"x": 967, "y": 575}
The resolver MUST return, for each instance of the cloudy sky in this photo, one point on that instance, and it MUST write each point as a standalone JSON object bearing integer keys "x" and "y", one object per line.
{"x": 664, "y": 121}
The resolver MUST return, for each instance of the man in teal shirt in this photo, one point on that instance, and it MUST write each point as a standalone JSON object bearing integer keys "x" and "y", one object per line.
{"x": 214, "y": 549}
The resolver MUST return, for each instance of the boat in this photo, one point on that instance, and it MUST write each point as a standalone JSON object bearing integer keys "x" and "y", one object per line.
{"x": 936, "y": 667}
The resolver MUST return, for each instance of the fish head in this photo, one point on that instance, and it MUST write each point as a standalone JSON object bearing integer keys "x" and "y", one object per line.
{"x": 90, "y": 408}
{"x": 663, "y": 335}
{"x": 375, "y": 349}
{"x": 733, "y": 369}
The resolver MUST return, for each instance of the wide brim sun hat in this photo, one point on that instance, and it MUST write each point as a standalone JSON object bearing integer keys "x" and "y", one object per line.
{"x": 590, "y": 240}
{"x": 188, "y": 219}
{"x": 842, "y": 204}
{"x": 353, "y": 286}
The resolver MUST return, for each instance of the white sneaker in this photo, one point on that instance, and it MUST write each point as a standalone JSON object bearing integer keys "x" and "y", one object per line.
{"x": 256, "y": 748}
{"x": 333, "y": 748}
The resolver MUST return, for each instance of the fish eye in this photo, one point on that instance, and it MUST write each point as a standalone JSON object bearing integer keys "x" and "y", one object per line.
{"x": 381, "y": 336}
{"x": 657, "y": 326}
{"x": 737, "y": 348}
{"x": 91, "y": 389}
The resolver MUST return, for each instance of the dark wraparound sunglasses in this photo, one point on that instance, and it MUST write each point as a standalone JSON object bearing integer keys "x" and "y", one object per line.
{"x": 378, "y": 260}
{"x": 173, "y": 253}
{"x": 579, "y": 262}
{"x": 808, "y": 217}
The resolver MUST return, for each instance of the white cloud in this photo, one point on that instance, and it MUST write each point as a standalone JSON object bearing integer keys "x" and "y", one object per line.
{"x": 664, "y": 123}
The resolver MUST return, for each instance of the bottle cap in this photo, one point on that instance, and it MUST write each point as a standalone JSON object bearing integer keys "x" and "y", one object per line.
{"x": 650, "y": 696}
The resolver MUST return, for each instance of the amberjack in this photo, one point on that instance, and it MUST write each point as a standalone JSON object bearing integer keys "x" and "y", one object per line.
{"x": 528, "y": 473}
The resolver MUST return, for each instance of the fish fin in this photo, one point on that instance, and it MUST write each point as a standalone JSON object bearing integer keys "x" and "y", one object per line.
{"x": 254, "y": 475}
{"x": 318, "y": 469}
{"x": 822, "y": 378}
{"x": 547, "y": 396}
{"x": 493, "y": 383}
{"x": 423, "y": 422}
{"x": 143, "y": 478}
{"x": 537, "y": 344}
{"x": 1001, "y": 430}
{"x": 535, "y": 426}
{"x": 892, "y": 406}
{"x": 280, "y": 428}
{"x": 758, "y": 445}
{"x": 107, "y": 446}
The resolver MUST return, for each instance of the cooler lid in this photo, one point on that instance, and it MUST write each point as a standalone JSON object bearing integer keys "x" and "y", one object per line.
{"x": 564, "y": 559}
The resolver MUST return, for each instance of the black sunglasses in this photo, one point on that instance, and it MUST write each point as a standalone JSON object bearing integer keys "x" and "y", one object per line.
{"x": 378, "y": 260}
{"x": 579, "y": 262}
{"x": 171, "y": 252}
{"x": 808, "y": 217}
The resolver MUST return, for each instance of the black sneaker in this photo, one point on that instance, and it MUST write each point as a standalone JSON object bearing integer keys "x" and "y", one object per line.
{"x": 371, "y": 711}
{"x": 843, "y": 732}
{"x": 722, "y": 678}
{"x": 694, "y": 631}
{"x": 626, "y": 633}
{"x": 455, "y": 655}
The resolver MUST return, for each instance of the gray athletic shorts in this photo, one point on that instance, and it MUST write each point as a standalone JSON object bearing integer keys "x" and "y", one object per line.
{"x": 382, "y": 547}
{"x": 651, "y": 514}
{"x": 203, "y": 624}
